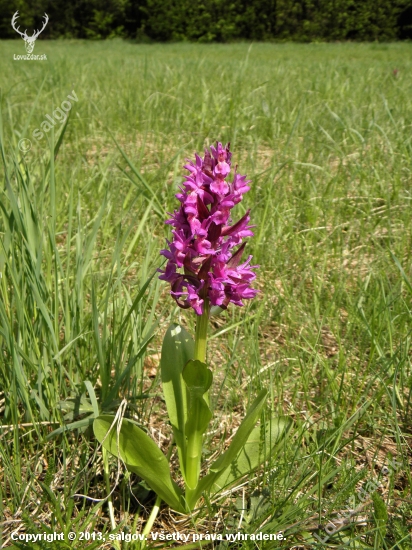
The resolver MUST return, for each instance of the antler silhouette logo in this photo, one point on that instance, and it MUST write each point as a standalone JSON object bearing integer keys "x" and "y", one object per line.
{"x": 29, "y": 41}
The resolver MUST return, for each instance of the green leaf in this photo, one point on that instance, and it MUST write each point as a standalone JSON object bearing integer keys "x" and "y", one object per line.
{"x": 402, "y": 272}
{"x": 135, "y": 304}
{"x": 224, "y": 461}
{"x": 261, "y": 444}
{"x": 84, "y": 423}
{"x": 141, "y": 455}
{"x": 177, "y": 349}
{"x": 93, "y": 397}
{"x": 198, "y": 379}
{"x": 160, "y": 208}
{"x": 242, "y": 434}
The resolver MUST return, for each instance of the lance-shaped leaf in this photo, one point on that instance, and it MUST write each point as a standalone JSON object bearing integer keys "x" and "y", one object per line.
{"x": 198, "y": 379}
{"x": 238, "y": 441}
{"x": 240, "y": 437}
{"x": 261, "y": 445}
{"x": 141, "y": 456}
{"x": 177, "y": 349}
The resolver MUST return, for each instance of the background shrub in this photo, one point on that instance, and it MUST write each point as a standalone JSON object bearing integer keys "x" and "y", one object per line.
{"x": 215, "y": 20}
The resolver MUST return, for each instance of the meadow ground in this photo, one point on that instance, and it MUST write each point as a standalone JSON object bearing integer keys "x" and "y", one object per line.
{"x": 324, "y": 132}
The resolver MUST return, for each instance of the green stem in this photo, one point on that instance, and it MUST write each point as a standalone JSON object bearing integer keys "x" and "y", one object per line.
{"x": 194, "y": 443}
{"x": 201, "y": 333}
{"x": 201, "y": 337}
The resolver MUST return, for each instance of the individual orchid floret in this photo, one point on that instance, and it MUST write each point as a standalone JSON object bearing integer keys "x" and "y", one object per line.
{"x": 204, "y": 237}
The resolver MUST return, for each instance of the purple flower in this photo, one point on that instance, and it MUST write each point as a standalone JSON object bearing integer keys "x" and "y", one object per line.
{"x": 204, "y": 237}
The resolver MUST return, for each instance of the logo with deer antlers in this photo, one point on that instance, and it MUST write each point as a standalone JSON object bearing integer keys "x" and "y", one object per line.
{"x": 29, "y": 41}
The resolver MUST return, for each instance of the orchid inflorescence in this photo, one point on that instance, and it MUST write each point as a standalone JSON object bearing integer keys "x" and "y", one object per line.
{"x": 204, "y": 236}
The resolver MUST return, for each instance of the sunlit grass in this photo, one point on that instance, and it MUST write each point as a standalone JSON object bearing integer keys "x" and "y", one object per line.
{"x": 324, "y": 133}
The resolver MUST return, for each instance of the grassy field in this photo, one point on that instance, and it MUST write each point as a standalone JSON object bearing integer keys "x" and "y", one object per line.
{"x": 324, "y": 132}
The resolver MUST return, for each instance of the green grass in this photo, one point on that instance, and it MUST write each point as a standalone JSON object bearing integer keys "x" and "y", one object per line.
{"x": 324, "y": 132}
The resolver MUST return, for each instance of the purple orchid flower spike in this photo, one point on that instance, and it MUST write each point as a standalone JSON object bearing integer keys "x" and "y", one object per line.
{"x": 204, "y": 237}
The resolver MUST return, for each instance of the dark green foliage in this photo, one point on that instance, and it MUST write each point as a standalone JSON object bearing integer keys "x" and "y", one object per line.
{"x": 75, "y": 19}
{"x": 215, "y": 20}
{"x": 338, "y": 19}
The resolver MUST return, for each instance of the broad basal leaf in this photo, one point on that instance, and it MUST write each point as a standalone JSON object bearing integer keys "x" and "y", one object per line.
{"x": 177, "y": 349}
{"x": 141, "y": 455}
